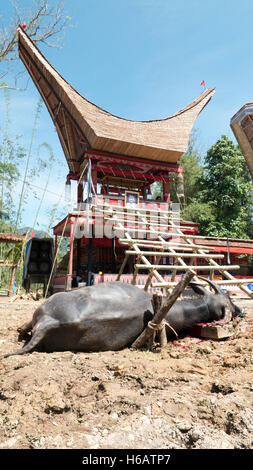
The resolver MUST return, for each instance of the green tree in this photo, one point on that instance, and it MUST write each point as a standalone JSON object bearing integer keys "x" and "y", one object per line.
{"x": 223, "y": 200}
{"x": 192, "y": 168}
{"x": 11, "y": 155}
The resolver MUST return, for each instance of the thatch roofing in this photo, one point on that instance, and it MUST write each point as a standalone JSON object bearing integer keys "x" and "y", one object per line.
{"x": 82, "y": 125}
{"x": 11, "y": 237}
{"x": 242, "y": 126}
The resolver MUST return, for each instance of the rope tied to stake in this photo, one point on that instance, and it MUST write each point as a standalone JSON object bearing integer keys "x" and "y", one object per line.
{"x": 160, "y": 326}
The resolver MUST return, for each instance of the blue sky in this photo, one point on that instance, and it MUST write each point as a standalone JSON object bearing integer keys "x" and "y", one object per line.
{"x": 145, "y": 59}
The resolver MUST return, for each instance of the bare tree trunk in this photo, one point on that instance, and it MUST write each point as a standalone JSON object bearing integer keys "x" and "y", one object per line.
{"x": 158, "y": 324}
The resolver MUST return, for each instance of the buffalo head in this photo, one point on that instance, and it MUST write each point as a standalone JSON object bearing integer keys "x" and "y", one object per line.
{"x": 219, "y": 304}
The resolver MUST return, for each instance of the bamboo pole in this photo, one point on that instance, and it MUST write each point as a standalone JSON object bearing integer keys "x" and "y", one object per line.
{"x": 181, "y": 255}
{"x": 155, "y": 232}
{"x": 169, "y": 267}
{"x": 221, "y": 282}
{"x": 164, "y": 243}
{"x": 128, "y": 220}
{"x": 122, "y": 267}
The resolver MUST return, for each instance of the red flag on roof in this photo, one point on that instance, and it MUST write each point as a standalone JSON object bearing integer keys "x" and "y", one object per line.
{"x": 24, "y": 25}
{"x": 203, "y": 83}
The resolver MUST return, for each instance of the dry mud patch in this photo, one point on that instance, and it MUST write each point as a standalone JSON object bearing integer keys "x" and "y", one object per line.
{"x": 194, "y": 394}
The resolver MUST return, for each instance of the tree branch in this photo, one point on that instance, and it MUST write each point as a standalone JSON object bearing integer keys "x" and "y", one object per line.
{"x": 42, "y": 23}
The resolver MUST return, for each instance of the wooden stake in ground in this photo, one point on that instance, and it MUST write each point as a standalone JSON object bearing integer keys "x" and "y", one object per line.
{"x": 158, "y": 321}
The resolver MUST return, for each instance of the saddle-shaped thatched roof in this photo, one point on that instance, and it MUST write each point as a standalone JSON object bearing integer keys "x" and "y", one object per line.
{"x": 242, "y": 126}
{"x": 82, "y": 125}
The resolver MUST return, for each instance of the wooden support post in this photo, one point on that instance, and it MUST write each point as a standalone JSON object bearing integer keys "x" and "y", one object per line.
{"x": 157, "y": 303}
{"x": 55, "y": 245}
{"x": 13, "y": 275}
{"x": 148, "y": 282}
{"x": 122, "y": 267}
{"x": 174, "y": 272}
{"x": 166, "y": 191}
{"x": 71, "y": 251}
{"x": 80, "y": 192}
{"x": 162, "y": 311}
{"x": 78, "y": 256}
{"x": 89, "y": 264}
{"x": 135, "y": 272}
{"x": 94, "y": 179}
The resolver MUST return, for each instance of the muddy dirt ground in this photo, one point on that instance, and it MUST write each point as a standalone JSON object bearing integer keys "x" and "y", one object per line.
{"x": 194, "y": 394}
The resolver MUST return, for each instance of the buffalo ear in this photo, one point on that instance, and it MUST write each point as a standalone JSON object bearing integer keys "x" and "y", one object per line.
{"x": 198, "y": 288}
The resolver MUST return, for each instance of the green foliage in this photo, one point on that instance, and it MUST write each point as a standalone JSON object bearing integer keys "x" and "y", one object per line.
{"x": 221, "y": 193}
{"x": 29, "y": 154}
{"x": 191, "y": 163}
{"x": 201, "y": 213}
{"x": 157, "y": 189}
{"x": 18, "y": 164}
{"x": 11, "y": 155}
{"x": 226, "y": 184}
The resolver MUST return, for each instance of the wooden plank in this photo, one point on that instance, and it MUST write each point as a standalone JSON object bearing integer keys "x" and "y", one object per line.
{"x": 215, "y": 332}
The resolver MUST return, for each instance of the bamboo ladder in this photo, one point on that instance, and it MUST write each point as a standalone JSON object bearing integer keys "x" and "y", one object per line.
{"x": 184, "y": 246}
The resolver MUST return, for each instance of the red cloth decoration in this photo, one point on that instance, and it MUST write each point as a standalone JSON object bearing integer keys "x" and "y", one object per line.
{"x": 202, "y": 83}
{"x": 24, "y": 25}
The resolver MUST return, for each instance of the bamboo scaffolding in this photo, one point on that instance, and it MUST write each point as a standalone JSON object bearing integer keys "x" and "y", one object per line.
{"x": 224, "y": 271}
{"x": 178, "y": 259}
{"x": 160, "y": 247}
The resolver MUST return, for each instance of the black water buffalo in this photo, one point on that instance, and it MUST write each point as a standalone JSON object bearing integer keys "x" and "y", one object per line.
{"x": 111, "y": 316}
{"x": 207, "y": 307}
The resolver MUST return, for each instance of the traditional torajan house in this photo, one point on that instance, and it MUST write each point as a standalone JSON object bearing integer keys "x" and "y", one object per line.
{"x": 119, "y": 159}
{"x": 242, "y": 126}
